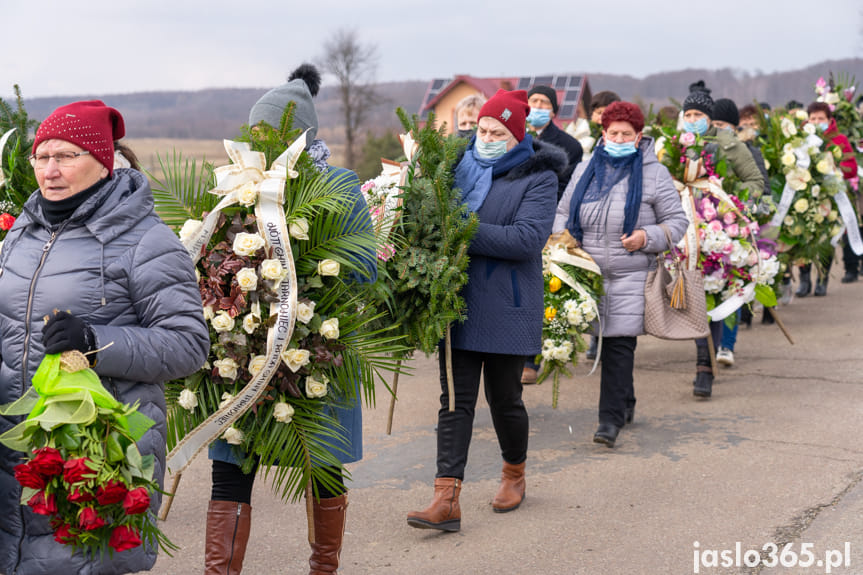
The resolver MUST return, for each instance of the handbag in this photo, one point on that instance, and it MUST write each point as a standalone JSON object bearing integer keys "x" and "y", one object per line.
{"x": 674, "y": 304}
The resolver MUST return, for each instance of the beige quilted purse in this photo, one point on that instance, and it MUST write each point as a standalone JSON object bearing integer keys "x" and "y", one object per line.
{"x": 674, "y": 305}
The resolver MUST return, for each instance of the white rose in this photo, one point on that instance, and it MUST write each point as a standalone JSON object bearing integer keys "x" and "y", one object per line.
{"x": 809, "y": 129}
{"x": 227, "y": 367}
{"x": 233, "y": 436}
{"x": 247, "y": 244}
{"x": 295, "y": 358}
{"x": 306, "y": 311}
{"x": 330, "y": 328}
{"x": 208, "y": 313}
{"x": 226, "y": 399}
{"x": 815, "y": 190}
{"x": 256, "y": 364}
{"x": 189, "y": 229}
{"x": 316, "y": 388}
{"x": 788, "y": 128}
{"x": 251, "y": 322}
{"x": 271, "y": 269}
{"x": 299, "y": 229}
{"x": 283, "y": 412}
{"x": 801, "y": 115}
{"x": 832, "y": 98}
{"x": 222, "y": 322}
{"x": 188, "y": 400}
{"x": 247, "y": 195}
{"x": 832, "y": 215}
{"x": 788, "y": 221}
{"x": 789, "y": 159}
{"x": 247, "y": 279}
{"x": 328, "y": 268}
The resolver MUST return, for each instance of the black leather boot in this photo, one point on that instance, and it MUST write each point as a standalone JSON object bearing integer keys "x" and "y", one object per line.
{"x": 703, "y": 384}
{"x": 821, "y": 286}
{"x": 805, "y": 280}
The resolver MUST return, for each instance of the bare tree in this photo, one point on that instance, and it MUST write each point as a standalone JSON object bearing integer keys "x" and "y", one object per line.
{"x": 354, "y": 66}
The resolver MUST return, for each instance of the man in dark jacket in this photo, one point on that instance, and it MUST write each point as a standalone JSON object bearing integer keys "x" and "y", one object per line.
{"x": 543, "y": 108}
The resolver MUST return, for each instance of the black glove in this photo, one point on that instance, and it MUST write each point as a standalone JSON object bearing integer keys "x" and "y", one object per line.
{"x": 65, "y": 332}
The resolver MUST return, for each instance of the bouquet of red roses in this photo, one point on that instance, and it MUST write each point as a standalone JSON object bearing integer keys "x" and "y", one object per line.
{"x": 84, "y": 470}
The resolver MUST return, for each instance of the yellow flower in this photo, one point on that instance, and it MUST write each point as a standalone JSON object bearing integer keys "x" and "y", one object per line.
{"x": 554, "y": 284}
{"x": 550, "y": 313}
{"x": 801, "y": 205}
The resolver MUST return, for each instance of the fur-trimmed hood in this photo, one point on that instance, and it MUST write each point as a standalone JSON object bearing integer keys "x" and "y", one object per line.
{"x": 546, "y": 157}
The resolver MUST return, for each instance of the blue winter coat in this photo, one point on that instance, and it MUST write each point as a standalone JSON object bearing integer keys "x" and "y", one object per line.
{"x": 349, "y": 418}
{"x": 114, "y": 264}
{"x": 504, "y": 293}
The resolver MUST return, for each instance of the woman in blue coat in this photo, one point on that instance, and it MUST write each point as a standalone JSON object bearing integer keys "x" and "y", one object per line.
{"x": 510, "y": 181}
{"x": 229, "y": 513}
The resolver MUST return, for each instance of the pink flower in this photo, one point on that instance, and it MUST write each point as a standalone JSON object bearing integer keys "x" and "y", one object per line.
{"x": 729, "y": 218}
{"x": 367, "y": 186}
{"x": 733, "y": 230}
{"x": 709, "y": 213}
{"x": 754, "y": 227}
{"x": 715, "y": 226}
{"x": 744, "y": 231}
{"x": 687, "y": 138}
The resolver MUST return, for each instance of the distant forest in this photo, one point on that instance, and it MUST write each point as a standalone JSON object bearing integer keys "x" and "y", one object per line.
{"x": 217, "y": 113}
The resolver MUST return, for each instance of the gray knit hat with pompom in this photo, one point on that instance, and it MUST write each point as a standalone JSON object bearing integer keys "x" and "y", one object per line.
{"x": 302, "y": 86}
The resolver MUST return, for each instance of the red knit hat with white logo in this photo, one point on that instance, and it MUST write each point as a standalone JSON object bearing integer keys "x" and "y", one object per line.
{"x": 510, "y": 109}
{"x": 90, "y": 125}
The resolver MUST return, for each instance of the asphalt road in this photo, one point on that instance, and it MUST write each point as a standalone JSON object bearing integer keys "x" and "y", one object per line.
{"x": 774, "y": 458}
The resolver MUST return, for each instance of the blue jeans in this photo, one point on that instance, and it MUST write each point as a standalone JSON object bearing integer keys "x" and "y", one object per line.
{"x": 729, "y": 334}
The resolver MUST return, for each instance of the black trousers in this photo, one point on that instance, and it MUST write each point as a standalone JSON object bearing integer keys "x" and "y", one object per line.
{"x": 231, "y": 484}
{"x": 616, "y": 391}
{"x": 851, "y": 260}
{"x": 502, "y": 382}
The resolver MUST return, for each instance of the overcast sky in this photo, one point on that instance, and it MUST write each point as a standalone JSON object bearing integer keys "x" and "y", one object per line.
{"x": 67, "y": 48}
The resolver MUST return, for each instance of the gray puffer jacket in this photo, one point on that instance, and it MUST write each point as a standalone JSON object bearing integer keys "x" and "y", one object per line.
{"x": 621, "y": 309}
{"x": 116, "y": 265}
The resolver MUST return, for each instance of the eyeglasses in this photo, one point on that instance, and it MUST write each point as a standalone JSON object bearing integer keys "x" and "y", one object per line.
{"x": 63, "y": 159}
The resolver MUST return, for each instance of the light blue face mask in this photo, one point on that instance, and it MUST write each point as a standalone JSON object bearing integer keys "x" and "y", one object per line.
{"x": 538, "y": 117}
{"x": 490, "y": 150}
{"x": 616, "y": 150}
{"x": 698, "y": 127}
{"x": 822, "y": 126}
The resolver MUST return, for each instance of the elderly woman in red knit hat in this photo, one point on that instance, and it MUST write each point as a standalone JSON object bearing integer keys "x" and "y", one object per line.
{"x": 89, "y": 243}
{"x": 616, "y": 206}
{"x": 510, "y": 181}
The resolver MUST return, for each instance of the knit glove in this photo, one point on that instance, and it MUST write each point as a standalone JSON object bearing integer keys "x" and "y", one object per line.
{"x": 64, "y": 332}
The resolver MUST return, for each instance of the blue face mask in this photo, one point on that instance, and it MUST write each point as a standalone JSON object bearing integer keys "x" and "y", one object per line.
{"x": 491, "y": 150}
{"x": 822, "y": 126}
{"x": 698, "y": 127}
{"x": 538, "y": 117}
{"x": 616, "y": 150}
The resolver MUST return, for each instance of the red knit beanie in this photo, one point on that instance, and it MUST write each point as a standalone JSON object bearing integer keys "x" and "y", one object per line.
{"x": 510, "y": 109}
{"x": 90, "y": 125}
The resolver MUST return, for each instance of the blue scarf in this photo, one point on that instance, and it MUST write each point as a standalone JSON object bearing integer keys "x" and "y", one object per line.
{"x": 596, "y": 169}
{"x": 474, "y": 175}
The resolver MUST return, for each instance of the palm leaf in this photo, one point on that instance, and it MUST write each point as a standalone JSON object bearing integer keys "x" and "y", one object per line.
{"x": 182, "y": 193}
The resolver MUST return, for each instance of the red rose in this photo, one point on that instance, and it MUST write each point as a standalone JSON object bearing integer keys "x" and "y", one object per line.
{"x": 77, "y": 470}
{"x": 29, "y": 477}
{"x": 136, "y": 501}
{"x": 123, "y": 538}
{"x": 48, "y": 461}
{"x": 90, "y": 519}
{"x": 63, "y": 535}
{"x": 6, "y": 221}
{"x": 41, "y": 505}
{"x": 111, "y": 492}
{"x": 80, "y": 496}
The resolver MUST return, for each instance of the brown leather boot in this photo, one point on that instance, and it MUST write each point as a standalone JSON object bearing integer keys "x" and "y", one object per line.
{"x": 326, "y": 536}
{"x": 510, "y": 494}
{"x": 228, "y": 525}
{"x": 444, "y": 512}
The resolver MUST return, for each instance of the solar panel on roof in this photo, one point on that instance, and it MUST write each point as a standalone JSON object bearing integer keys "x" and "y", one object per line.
{"x": 567, "y": 111}
{"x": 524, "y": 83}
{"x": 543, "y": 80}
{"x": 560, "y": 82}
{"x": 571, "y": 96}
{"x": 439, "y": 83}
